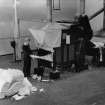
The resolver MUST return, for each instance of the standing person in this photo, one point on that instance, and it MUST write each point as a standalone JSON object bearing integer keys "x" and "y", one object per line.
{"x": 81, "y": 34}
{"x": 38, "y": 72}
{"x": 26, "y": 57}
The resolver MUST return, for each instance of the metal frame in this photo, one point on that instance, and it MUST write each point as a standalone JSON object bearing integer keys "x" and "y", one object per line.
{"x": 56, "y": 4}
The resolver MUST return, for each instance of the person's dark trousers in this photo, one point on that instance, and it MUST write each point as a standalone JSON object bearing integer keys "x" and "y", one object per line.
{"x": 43, "y": 63}
{"x": 27, "y": 60}
{"x": 80, "y": 63}
{"x": 26, "y": 67}
{"x": 39, "y": 71}
{"x": 79, "y": 55}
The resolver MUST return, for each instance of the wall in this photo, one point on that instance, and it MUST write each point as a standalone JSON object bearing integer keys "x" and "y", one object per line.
{"x": 91, "y": 6}
{"x": 28, "y": 10}
{"x": 7, "y": 35}
{"x": 68, "y": 9}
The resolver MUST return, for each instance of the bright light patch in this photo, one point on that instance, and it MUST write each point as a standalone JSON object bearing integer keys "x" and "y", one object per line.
{"x": 1, "y": 2}
{"x": 17, "y": 2}
{"x": 2, "y": 23}
{"x": 6, "y": 3}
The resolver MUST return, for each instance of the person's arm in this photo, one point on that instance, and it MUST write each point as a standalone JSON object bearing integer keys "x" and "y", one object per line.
{"x": 65, "y": 26}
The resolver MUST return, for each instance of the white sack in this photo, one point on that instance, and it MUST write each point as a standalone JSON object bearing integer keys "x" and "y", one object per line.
{"x": 47, "y": 37}
{"x": 26, "y": 89}
{"x": 7, "y": 79}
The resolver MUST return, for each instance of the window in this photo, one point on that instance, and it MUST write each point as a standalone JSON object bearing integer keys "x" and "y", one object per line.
{"x": 56, "y": 5}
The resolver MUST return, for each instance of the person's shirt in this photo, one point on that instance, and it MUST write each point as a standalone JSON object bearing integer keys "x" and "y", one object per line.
{"x": 81, "y": 29}
{"x": 84, "y": 22}
{"x": 26, "y": 50}
{"x": 76, "y": 31}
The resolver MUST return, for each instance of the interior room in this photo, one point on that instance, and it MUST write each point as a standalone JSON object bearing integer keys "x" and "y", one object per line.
{"x": 52, "y": 52}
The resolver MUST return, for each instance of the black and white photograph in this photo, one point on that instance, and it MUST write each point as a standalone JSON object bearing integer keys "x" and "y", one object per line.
{"x": 52, "y": 52}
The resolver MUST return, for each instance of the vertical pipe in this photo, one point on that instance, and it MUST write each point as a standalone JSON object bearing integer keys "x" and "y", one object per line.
{"x": 15, "y": 20}
{"x": 104, "y": 15}
{"x": 16, "y": 32}
{"x": 82, "y": 6}
{"x": 19, "y": 41}
{"x": 49, "y": 4}
{"x": 18, "y": 21}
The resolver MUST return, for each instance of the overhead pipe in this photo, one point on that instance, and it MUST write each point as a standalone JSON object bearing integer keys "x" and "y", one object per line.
{"x": 49, "y": 4}
{"x": 90, "y": 18}
{"x": 96, "y": 13}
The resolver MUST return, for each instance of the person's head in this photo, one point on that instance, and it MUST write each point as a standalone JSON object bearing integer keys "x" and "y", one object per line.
{"x": 27, "y": 41}
{"x": 76, "y": 18}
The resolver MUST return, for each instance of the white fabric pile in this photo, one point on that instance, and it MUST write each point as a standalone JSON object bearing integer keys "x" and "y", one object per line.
{"x": 12, "y": 82}
{"x": 47, "y": 37}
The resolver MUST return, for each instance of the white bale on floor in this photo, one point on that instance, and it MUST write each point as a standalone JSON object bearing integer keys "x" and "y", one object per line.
{"x": 10, "y": 81}
{"x": 3, "y": 88}
{"x": 26, "y": 89}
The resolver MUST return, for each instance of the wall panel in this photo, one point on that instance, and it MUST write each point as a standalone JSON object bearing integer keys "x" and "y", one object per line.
{"x": 91, "y": 7}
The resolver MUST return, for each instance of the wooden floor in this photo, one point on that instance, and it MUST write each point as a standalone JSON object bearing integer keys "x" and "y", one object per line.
{"x": 84, "y": 88}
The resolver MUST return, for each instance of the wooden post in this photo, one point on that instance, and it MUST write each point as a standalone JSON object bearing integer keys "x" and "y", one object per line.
{"x": 16, "y": 32}
{"x": 19, "y": 41}
{"x": 82, "y": 6}
{"x": 104, "y": 16}
{"x": 49, "y": 4}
